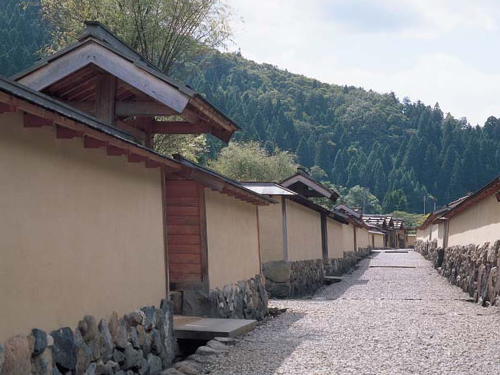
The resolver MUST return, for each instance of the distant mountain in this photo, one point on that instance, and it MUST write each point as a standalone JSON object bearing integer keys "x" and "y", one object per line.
{"x": 401, "y": 151}
{"x": 357, "y": 137}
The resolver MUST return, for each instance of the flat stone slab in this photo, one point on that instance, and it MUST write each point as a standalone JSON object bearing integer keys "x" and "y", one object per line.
{"x": 401, "y": 251}
{"x": 208, "y": 328}
{"x": 332, "y": 279}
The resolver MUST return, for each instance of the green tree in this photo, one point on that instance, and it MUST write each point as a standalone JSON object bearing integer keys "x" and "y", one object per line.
{"x": 166, "y": 32}
{"x": 304, "y": 153}
{"x": 23, "y": 34}
{"x": 248, "y": 161}
{"x": 318, "y": 174}
{"x": 190, "y": 146}
{"x": 395, "y": 200}
{"x": 361, "y": 197}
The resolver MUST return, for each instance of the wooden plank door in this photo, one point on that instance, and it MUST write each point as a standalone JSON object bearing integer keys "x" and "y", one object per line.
{"x": 186, "y": 235}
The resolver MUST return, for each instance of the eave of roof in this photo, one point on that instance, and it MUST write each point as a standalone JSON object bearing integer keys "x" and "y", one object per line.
{"x": 268, "y": 188}
{"x": 14, "y": 89}
{"x": 349, "y": 210}
{"x": 317, "y": 186}
{"x": 438, "y": 214}
{"x": 186, "y": 162}
{"x": 47, "y": 102}
{"x": 489, "y": 189}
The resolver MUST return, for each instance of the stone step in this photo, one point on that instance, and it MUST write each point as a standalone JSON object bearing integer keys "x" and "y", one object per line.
{"x": 196, "y": 328}
{"x": 328, "y": 280}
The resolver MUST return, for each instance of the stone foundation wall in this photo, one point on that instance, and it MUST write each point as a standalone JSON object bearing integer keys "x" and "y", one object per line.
{"x": 141, "y": 342}
{"x": 244, "y": 300}
{"x": 340, "y": 266}
{"x": 429, "y": 250}
{"x": 471, "y": 267}
{"x": 293, "y": 279}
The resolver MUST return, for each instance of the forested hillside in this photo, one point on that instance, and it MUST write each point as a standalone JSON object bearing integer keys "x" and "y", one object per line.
{"x": 400, "y": 150}
{"x": 22, "y": 34}
{"x": 357, "y": 137}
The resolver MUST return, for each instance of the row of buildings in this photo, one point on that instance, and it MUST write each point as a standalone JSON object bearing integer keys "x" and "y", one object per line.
{"x": 462, "y": 239}
{"x": 471, "y": 220}
{"x": 94, "y": 221}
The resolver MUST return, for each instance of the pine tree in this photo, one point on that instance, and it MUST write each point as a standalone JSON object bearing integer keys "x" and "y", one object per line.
{"x": 323, "y": 158}
{"x": 353, "y": 175}
{"x": 304, "y": 153}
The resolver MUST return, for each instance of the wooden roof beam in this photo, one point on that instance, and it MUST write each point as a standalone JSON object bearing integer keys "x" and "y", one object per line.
{"x": 129, "y": 109}
{"x": 5, "y": 108}
{"x": 32, "y": 121}
{"x": 66, "y": 133}
{"x": 209, "y": 112}
{"x": 89, "y": 142}
{"x": 126, "y": 109}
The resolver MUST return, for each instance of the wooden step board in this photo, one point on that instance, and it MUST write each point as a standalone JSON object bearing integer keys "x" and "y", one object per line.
{"x": 195, "y": 328}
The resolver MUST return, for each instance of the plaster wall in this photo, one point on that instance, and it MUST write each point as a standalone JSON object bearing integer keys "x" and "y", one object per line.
{"x": 304, "y": 232}
{"x": 271, "y": 232}
{"x": 423, "y": 234}
{"x": 335, "y": 239}
{"x": 232, "y": 239}
{"x": 348, "y": 237}
{"x": 362, "y": 238}
{"x": 379, "y": 240}
{"x": 81, "y": 232}
{"x": 476, "y": 225}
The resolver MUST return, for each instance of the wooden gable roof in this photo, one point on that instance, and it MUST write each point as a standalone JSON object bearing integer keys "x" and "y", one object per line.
{"x": 103, "y": 76}
{"x": 305, "y": 185}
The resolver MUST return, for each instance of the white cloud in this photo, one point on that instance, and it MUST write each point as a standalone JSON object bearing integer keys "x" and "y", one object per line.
{"x": 416, "y": 48}
{"x": 459, "y": 88}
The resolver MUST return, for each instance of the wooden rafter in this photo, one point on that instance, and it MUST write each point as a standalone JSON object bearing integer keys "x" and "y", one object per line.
{"x": 66, "y": 133}
{"x": 6, "y": 108}
{"x": 32, "y": 121}
{"x": 89, "y": 142}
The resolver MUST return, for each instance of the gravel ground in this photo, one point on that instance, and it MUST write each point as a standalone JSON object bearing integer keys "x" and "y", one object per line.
{"x": 378, "y": 320}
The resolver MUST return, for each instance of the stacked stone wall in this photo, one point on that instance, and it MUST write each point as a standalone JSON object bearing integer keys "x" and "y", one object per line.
{"x": 293, "y": 279}
{"x": 473, "y": 268}
{"x": 141, "y": 342}
{"x": 305, "y": 277}
{"x": 246, "y": 299}
{"x": 340, "y": 266}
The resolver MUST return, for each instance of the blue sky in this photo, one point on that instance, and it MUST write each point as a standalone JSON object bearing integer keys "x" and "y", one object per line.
{"x": 444, "y": 51}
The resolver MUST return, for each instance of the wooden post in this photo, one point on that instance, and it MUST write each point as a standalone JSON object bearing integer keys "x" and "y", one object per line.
{"x": 285, "y": 230}
{"x": 355, "y": 242}
{"x": 147, "y": 125}
{"x": 258, "y": 237}
{"x": 106, "y": 96}
{"x": 203, "y": 239}
{"x": 324, "y": 236}
{"x": 165, "y": 233}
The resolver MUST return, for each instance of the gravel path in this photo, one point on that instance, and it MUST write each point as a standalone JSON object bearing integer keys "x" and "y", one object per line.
{"x": 378, "y": 320}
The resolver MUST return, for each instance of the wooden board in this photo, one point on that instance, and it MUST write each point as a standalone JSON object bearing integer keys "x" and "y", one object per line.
{"x": 184, "y": 228}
